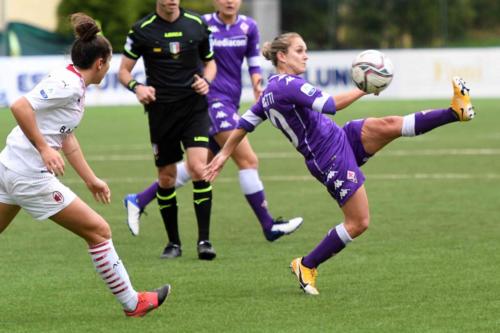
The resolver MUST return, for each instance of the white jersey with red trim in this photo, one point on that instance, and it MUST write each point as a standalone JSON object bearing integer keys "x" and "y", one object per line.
{"x": 58, "y": 103}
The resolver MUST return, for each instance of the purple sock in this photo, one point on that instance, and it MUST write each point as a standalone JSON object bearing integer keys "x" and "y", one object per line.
{"x": 148, "y": 195}
{"x": 258, "y": 203}
{"x": 332, "y": 244}
{"x": 428, "y": 120}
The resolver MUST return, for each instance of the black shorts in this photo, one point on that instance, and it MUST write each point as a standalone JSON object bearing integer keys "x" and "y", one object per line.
{"x": 171, "y": 124}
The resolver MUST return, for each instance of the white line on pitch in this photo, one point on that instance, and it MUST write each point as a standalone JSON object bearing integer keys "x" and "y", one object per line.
{"x": 294, "y": 155}
{"x": 420, "y": 176}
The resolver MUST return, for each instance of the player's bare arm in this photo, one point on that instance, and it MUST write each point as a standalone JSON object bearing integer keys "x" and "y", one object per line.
{"x": 343, "y": 100}
{"x": 74, "y": 155}
{"x": 202, "y": 84}
{"x": 25, "y": 117}
{"x": 145, "y": 94}
{"x": 213, "y": 169}
{"x": 256, "y": 79}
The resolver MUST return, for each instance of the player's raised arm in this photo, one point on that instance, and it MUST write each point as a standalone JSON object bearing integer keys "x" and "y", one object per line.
{"x": 213, "y": 169}
{"x": 343, "y": 100}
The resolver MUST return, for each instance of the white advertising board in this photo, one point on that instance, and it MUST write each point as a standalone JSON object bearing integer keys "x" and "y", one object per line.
{"x": 419, "y": 74}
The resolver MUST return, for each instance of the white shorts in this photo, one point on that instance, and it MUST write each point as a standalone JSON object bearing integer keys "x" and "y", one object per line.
{"x": 41, "y": 196}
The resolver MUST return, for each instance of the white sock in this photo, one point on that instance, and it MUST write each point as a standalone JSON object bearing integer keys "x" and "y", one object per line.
{"x": 183, "y": 175}
{"x": 343, "y": 234}
{"x": 408, "y": 128}
{"x": 249, "y": 181}
{"x": 111, "y": 269}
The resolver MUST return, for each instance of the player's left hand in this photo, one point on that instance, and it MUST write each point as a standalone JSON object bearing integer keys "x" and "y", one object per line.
{"x": 100, "y": 190}
{"x": 200, "y": 85}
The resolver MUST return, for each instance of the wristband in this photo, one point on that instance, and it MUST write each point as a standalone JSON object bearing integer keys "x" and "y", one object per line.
{"x": 133, "y": 84}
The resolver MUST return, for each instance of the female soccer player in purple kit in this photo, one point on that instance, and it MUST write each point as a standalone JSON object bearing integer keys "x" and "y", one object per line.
{"x": 235, "y": 37}
{"x": 298, "y": 109}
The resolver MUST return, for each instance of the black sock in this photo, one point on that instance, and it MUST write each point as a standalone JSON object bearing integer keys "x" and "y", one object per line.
{"x": 202, "y": 198}
{"x": 167, "y": 201}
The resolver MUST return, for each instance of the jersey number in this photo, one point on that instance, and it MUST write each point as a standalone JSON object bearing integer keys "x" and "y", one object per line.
{"x": 277, "y": 118}
{"x": 65, "y": 130}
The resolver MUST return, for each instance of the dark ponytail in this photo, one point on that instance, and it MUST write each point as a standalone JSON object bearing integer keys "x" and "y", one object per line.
{"x": 89, "y": 45}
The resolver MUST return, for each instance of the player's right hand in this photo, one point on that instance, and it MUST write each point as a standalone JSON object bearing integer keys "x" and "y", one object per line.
{"x": 212, "y": 169}
{"x": 100, "y": 190}
{"x": 145, "y": 94}
{"x": 53, "y": 161}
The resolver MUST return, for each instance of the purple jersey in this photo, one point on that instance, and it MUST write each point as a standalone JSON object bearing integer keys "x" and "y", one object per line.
{"x": 232, "y": 43}
{"x": 298, "y": 110}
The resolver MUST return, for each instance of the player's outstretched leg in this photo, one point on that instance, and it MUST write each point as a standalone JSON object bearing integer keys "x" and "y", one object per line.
{"x": 306, "y": 276}
{"x": 460, "y": 103}
{"x": 422, "y": 122}
{"x": 149, "y": 300}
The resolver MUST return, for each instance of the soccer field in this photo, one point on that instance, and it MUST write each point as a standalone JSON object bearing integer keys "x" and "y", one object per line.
{"x": 428, "y": 263}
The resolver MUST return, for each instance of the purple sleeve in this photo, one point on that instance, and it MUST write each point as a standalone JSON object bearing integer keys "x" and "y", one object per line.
{"x": 302, "y": 93}
{"x": 253, "y": 49}
{"x": 252, "y": 118}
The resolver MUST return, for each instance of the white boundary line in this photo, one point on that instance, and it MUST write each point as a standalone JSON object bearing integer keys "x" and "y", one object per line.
{"x": 295, "y": 155}
{"x": 306, "y": 178}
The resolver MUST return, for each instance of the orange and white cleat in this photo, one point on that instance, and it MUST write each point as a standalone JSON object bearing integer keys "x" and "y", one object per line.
{"x": 149, "y": 300}
{"x": 306, "y": 276}
{"x": 460, "y": 103}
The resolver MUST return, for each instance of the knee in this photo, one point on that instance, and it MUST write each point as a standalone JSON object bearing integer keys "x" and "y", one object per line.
{"x": 357, "y": 226}
{"x": 104, "y": 230}
{"x": 196, "y": 170}
{"x": 166, "y": 180}
{"x": 250, "y": 161}
{"x": 100, "y": 232}
{"x": 392, "y": 124}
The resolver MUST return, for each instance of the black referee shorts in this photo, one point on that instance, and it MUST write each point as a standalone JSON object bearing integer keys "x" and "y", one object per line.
{"x": 171, "y": 124}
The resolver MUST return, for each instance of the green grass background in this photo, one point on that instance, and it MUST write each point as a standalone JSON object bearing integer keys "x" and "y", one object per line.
{"x": 430, "y": 261}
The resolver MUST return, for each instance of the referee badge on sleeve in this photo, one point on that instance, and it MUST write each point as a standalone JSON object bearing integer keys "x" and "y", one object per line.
{"x": 175, "y": 49}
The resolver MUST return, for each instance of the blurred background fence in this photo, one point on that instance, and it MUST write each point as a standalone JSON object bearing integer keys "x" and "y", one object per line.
{"x": 428, "y": 40}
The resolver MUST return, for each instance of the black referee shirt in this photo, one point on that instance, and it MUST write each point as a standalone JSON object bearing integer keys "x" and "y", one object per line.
{"x": 172, "y": 52}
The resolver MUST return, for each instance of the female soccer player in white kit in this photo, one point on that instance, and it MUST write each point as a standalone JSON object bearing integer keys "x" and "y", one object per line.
{"x": 30, "y": 162}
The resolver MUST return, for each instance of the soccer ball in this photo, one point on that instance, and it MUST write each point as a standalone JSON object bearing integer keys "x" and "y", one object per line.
{"x": 372, "y": 71}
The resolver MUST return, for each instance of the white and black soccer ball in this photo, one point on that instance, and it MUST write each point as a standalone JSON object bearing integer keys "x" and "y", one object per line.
{"x": 372, "y": 71}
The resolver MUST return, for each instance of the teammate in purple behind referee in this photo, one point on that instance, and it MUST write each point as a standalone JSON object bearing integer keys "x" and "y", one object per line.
{"x": 332, "y": 154}
{"x": 235, "y": 37}
{"x": 47, "y": 117}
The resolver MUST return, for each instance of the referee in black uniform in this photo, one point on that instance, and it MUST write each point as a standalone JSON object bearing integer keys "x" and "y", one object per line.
{"x": 179, "y": 60}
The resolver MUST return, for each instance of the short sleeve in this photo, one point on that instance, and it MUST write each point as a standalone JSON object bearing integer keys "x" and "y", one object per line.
{"x": 51, "y": 93}
{"x": 132, "y": 48}
{"x": 302, "y": 93}
{"x": 253, "y": 117}
{"x": 253, "y": 50}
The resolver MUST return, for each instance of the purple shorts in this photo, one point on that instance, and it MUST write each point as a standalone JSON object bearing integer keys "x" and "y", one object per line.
{"x": 341, "y": 174}
{"x": 223, "y": 116}
{"x": 353, "y": 131}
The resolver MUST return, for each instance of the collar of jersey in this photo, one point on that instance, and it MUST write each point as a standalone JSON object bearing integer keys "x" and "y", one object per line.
{"x": 181, "y": 14}
{"x": 281, "y": 76}
{"x": 72, "y": 68}
{"x": 218, "y": 20}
